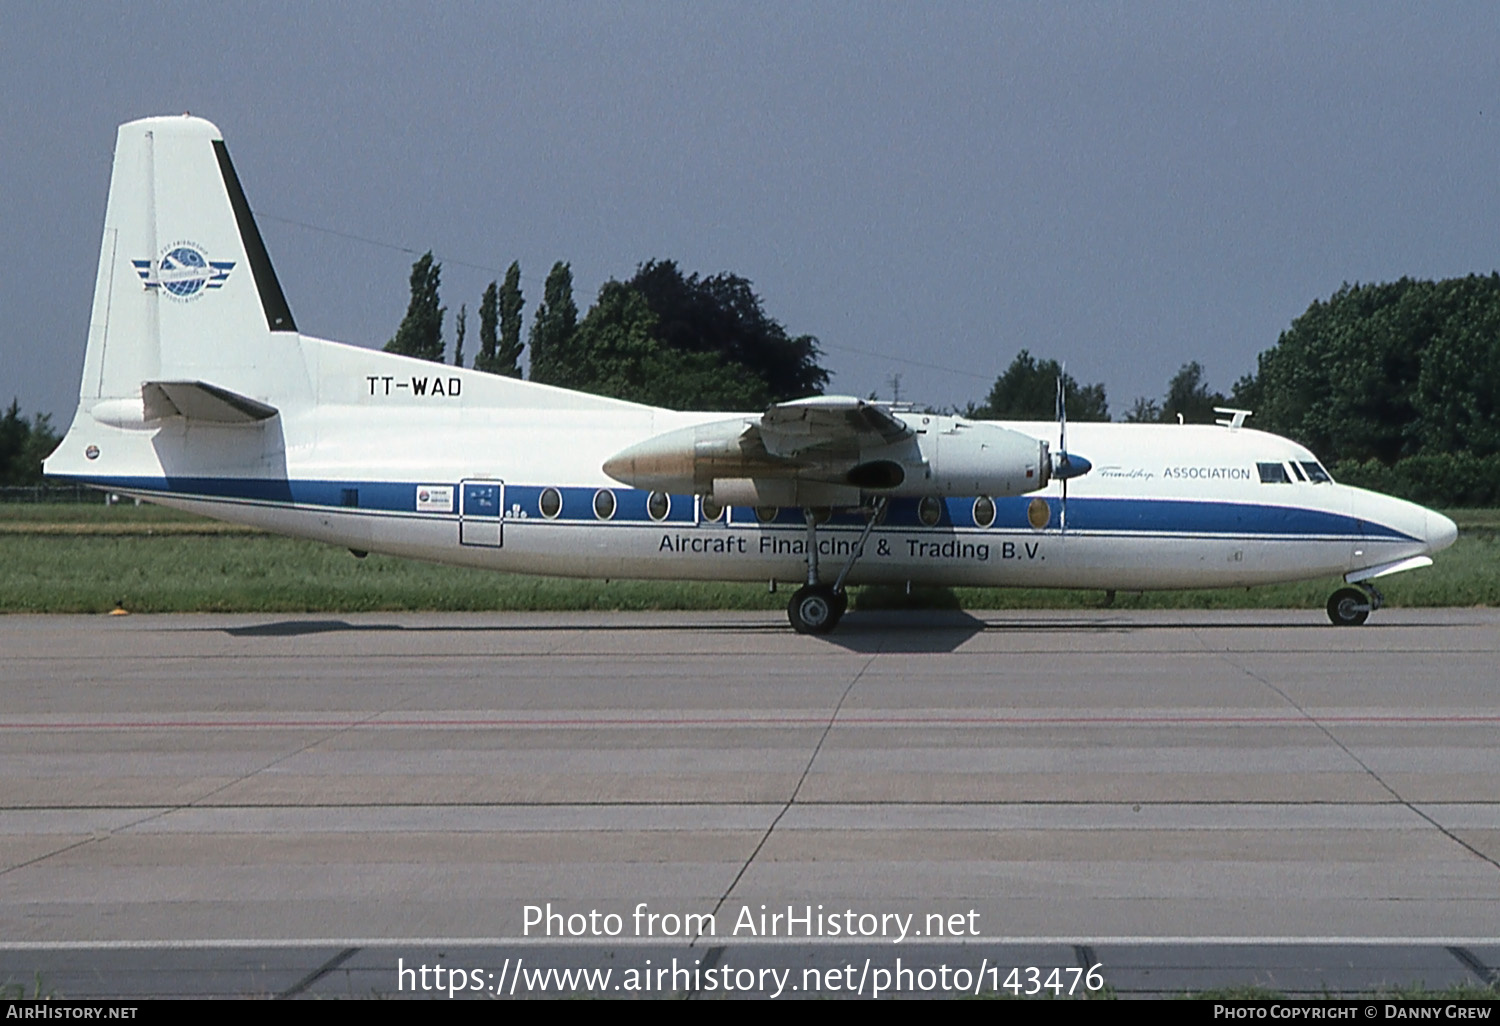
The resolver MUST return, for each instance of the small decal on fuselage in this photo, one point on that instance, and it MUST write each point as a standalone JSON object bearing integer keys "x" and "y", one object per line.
{"x": 434, "y": 498}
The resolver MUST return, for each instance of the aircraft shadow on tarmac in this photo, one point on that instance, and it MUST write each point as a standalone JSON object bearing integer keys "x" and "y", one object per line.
{"x": 908, "y": 631}
{"x": 941, "y": 631}
{"x": 872, "y": 632}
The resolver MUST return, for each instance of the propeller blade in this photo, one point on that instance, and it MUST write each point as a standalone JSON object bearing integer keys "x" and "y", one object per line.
{"x": 1062, "y": 464}
{"x": 1062, "y": 413}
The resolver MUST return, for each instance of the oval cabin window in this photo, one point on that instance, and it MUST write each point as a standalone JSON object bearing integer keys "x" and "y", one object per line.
{"x": 550, "y": 503}
{"x": 658, "y": 505}
{"x": 604, "y": 504}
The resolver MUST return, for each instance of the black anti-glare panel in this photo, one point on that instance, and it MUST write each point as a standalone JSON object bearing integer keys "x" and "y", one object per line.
{"x": 272, "y": 299}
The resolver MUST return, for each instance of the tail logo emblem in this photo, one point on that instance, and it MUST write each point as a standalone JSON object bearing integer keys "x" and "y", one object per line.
{"x": 183, "y": 271}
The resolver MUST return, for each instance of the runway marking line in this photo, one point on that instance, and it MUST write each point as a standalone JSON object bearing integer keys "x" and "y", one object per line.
{"x": 741, "y": 721}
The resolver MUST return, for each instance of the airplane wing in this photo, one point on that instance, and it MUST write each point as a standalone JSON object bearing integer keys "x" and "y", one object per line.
{"x": 822, "y": 441}
{"x": 828, "y": 451}
{"x": 828, "y": 427}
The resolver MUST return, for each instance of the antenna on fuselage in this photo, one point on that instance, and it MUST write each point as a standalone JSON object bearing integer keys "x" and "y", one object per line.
{"x": 1236, "y": 418}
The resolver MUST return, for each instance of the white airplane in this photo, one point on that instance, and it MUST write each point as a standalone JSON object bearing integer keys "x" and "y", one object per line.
{"x": 200, "y": 393}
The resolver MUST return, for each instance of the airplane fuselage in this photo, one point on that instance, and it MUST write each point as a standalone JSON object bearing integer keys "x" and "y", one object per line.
{"x": 449, "y": 465}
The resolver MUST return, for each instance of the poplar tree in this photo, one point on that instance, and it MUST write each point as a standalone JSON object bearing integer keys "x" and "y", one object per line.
{"x": 421, "y": 330}
{"x": 489, "y": 318}
{"x": 507, "y": 357}
{"x": 460, "y": 326}
{"x": 552, "y": 331}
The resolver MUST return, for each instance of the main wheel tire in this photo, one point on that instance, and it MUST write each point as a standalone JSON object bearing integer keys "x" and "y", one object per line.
{"x": 1349, "y": 607}
{"x": 815, "y": 609}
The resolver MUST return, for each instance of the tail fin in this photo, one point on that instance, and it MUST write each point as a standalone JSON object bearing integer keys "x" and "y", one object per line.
{"x": 185, "y": 290}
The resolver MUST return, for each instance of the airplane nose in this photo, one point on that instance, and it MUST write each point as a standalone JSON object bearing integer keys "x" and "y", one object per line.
{"x": 1440, "y": 532}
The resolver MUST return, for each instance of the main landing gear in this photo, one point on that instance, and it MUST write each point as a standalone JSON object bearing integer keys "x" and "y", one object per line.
{"x": 1350, "y": 607}
{"x": 816, "y": 608}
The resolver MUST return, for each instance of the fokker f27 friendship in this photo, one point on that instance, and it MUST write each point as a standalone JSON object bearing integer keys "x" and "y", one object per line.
{"x": 199, "y": 392}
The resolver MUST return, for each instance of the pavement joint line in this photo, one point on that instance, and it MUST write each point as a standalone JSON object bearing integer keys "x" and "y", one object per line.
{"x": 201, "y": 800}
{"x": 710, "y": 960}
{"x": 1323, "y": 727}
{"x": 772, "y": 722}
{"x": 998, "y": 803}
{"x": 318, "y": 973}
{"x": 792, "y": 798}
{"x": 46, "y": 855}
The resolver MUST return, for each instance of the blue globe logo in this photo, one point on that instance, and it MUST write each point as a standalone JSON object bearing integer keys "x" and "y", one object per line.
{"x": 183, "y": 271}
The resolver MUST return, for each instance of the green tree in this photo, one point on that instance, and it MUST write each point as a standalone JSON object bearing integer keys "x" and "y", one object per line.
{"x": 615, "y": 352}
{"x": 421, "y": 330}
{"x": 671, "y": 340}
{"x": 722, "y": 315}
{"x": 1028, "y": 391}
{"x": 1457, "y": 393}
{"x": 1387, "y": 372}
{"x": 508, "y": 355}
{"x": 552, "y": 330}
{"x": 609, "y": 351}
{"x": 489, "y": 320}
{"x": 23, "y": 445}
{"x": 1188, "y": 397}
{"x": 460, "y": 327}
{"x": 1144, "y": 410}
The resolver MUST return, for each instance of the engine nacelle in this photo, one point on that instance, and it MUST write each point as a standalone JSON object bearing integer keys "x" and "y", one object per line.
{"x": 690, "y": 458}
{"x": 964, "y": 457}
{"x": 942, "y": 456}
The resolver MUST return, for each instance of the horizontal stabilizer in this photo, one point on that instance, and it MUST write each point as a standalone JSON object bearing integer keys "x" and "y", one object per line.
{"x": 197, "y": 400}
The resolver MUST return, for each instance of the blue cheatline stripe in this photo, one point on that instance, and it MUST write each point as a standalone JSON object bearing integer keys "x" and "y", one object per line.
{"x": 1085, "y": 515}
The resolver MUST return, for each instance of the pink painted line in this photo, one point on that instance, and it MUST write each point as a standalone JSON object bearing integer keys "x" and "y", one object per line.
{"x": 767, "y": 721}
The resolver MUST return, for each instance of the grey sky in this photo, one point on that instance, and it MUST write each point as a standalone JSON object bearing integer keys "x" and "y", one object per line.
{"x": 1125, "y": 187}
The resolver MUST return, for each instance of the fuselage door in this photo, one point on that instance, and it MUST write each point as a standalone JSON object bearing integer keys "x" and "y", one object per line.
{"x": 480, "y": 509}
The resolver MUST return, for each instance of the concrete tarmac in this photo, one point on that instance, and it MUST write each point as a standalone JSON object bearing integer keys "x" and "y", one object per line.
{"x": 1146, "y": 786}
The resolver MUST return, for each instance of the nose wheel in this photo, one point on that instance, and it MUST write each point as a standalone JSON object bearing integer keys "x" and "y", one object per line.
{"x": 1350, "y": 607}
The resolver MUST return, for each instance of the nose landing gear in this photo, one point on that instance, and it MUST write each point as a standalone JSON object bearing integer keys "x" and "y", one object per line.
{"x": 1350, "y": 607}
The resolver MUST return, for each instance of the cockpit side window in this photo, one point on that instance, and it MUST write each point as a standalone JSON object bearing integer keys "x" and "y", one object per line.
{"x": 1315, "y": 472}
{"x": 1272, "y": 473}
{"x": 1296, "y": 469}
